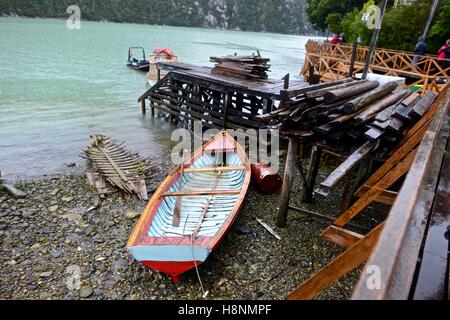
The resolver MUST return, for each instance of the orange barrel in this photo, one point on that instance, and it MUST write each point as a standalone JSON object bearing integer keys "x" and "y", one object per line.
{"x": 266, "y": 179}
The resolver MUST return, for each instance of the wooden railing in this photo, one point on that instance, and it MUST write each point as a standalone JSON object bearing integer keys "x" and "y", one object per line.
{"x": 332, "y": 62}
{"x": 399, "y": 245}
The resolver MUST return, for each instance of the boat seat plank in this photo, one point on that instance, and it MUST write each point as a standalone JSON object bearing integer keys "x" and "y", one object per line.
{"x": 200, "y": 193}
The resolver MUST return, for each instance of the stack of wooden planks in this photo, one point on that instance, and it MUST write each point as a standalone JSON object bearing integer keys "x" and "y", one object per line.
{"x": 116, "y": 165}
{"x": 350, "y": 110}
{"x": 246, "y": 67}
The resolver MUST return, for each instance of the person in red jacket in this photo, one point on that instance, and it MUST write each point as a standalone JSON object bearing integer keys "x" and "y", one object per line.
{"x": 444, "y": 56}
{"x": 335, "y": 40}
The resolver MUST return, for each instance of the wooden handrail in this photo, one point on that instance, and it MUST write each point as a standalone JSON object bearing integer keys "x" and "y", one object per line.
{"x": 397, "y": 250}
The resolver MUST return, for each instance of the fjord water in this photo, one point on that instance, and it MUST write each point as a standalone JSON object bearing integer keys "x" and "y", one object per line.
{"x": 57, "y": 85}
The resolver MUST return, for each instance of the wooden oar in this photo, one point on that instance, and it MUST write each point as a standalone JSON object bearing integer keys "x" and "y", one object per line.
{"x": 177, "y": 208}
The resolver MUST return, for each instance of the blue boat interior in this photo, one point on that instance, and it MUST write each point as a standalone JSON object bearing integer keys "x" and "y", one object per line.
{"x": 192, "y": 207}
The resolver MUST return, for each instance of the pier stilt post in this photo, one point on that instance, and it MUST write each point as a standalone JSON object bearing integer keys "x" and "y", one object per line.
{"x": 144, "y": 111}
{"x": 313, "y": 170}
{"x": 287, "y": 183}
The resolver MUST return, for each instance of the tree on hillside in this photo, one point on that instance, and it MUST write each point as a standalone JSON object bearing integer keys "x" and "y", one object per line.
{"x": 325, "y": 14}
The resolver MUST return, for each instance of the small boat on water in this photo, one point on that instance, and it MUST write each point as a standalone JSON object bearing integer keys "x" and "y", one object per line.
{"x": 135, "y": 63}
{"x": 159, "y": 55}
{"x": 187, "y": 218}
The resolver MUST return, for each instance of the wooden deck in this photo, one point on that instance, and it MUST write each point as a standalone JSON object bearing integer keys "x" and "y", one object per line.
{"x": 266, "y": 88}
{"x": 191, "y": 93}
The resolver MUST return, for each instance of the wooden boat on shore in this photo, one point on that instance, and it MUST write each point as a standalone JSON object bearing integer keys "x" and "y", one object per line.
{"x": 187, "y": 218}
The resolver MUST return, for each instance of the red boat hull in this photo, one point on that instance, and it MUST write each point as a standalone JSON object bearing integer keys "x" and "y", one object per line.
{"x": 172, "y": 268}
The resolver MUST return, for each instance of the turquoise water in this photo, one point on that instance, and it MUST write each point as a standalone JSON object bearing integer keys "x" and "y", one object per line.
{"x": 57, "y": 85}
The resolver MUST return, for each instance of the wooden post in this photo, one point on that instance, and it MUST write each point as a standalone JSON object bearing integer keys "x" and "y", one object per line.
{"x": 143, "y": 106}
{"x": 374, "y": 41}
{"x": 287, "y": 183}
{"x": 430, "y": 18}
{"x": 226, "y": 103}
{"x": 313, "y": 170}
{"x": 152, "y": 109}
{"x": 352, "y": 61}
{"x": 286, "y": 81}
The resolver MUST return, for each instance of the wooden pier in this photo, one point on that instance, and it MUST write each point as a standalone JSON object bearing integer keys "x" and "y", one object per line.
{"x": 191, "y": 93}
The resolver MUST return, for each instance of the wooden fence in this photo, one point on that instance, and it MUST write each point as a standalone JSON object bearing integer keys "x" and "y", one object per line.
{"x": 332, "y": 62}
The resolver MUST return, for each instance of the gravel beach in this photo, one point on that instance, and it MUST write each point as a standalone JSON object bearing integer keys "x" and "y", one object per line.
{"x": 52, "y": 248}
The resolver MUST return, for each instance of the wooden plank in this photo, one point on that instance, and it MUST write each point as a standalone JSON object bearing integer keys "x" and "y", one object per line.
{"x": 336, "y": 269}
{"x": 394, "y": 159}
{"x": 432, "y": 272}
{"x": 398, "y": 248}
{"x": 218, "y": 169}
{"x": 178, "y": 201}
{"x": 200, "y": 193}
{"x": 378, "y": 106}
{"x": 386, "y": 197}
{"x": 340, "y": 172}
{"x": 419, "y": 110}
{"x": 374, "y": 134}
{"x": 342, "y": 237}
{"x": 388, "y": 180}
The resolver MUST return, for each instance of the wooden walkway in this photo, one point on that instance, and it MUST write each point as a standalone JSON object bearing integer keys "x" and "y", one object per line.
{"x": 332, "y": 62}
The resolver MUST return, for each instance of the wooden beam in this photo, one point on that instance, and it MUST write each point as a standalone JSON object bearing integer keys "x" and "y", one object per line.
{"x": 313, "y": 170}
{"x": 386, "y": 197}
{"x": 352, "y": 161}
{"x": 200, "y": 193}
{"x": 389, "y": 179}
{"x": 218, "y": 169}
{"x": 339, "y": 267}
{"x": 287, "y": 183}
{"x": 340, "y": 236}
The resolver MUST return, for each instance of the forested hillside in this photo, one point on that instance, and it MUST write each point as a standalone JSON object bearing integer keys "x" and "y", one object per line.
{"x": 284, "y": 16}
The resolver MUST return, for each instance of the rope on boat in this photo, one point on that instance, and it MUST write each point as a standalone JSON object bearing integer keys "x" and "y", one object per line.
{"x": 205, "y": 293}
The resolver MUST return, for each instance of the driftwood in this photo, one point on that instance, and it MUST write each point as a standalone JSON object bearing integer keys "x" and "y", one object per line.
{"x": 370, "y": 97}
{"x": 11, "y": 189}
{"x": 119, "y": 167}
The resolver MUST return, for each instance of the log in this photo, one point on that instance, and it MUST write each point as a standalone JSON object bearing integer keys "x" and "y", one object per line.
{"x": 378, "y": 106}
{"x": 345, "y": 168}
{"x": 370, "y": 97}
{"x": 322, "y": 92}
{"x": 340, "y": 94}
